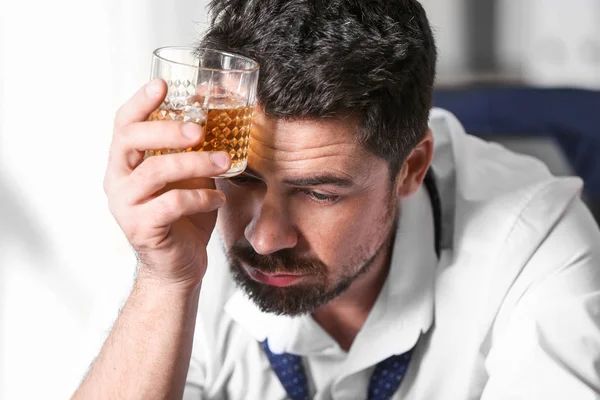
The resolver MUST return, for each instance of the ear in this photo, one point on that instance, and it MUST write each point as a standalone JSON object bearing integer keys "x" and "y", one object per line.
{"x": 415, "y": 167}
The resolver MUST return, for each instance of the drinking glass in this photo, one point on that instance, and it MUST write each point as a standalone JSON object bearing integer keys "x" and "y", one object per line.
{"x": 214, "y": 89}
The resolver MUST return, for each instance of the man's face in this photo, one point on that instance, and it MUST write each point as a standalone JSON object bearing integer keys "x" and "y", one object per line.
{"x": 309, "y": 215}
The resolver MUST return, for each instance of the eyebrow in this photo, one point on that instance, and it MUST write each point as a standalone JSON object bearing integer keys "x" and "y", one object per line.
{"x": 317, "y": 180}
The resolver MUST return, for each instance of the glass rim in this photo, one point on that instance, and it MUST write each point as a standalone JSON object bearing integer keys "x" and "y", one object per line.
{"x": 254, "y": 68}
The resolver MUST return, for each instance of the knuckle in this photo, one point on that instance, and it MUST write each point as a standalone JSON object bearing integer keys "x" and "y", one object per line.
{"x": 135, "y": 193}
{"x": 150, "y": 168}
{"x": 140, "y": 180}
{"x": 170, "y": 202}
{"x": 177, "y": 164}
{"x": 167, "y": 166}
{"x": 122, "y": 137}
{"x": 118, "y": 142}
{"x": 133, "y": 225}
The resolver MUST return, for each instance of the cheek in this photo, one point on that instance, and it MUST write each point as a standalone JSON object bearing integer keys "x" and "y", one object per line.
{"x": 346, "y": 233}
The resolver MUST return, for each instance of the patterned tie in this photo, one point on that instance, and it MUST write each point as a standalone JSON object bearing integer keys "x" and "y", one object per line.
{"x": 386, "y": 378}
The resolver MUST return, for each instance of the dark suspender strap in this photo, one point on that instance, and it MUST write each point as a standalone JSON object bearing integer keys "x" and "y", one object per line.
{"x": 436, "y": 206}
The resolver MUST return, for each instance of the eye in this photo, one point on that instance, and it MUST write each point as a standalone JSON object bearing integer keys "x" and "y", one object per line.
{"x": 321, "y": 197}
{"x": 240, "y": 180}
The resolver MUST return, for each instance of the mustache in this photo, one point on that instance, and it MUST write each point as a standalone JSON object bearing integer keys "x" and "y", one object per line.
{"x": 282, "y": 261}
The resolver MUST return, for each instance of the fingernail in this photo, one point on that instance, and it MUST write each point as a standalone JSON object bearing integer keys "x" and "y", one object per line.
{"x": 220, "y": 159}
{"x": 191, "y": 131}
{"x": 153, "y": 88}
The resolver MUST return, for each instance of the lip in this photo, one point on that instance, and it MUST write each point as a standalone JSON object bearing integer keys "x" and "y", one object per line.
{"x": 278, "y": 280}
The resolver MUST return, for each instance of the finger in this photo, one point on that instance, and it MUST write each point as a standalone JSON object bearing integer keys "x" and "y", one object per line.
{"x": 154, "y": 173}
{"x": 177, "y": 203}
{"x": 141, "y": 105}
{"x": 160, "y": 135}
{"x": 131, "y": 142}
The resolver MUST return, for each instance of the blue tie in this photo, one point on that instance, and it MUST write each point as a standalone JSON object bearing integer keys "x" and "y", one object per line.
{"x": 386, "y": 378}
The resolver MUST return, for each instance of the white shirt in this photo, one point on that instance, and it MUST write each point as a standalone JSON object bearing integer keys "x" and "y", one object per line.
{"x": 511, "y": 310}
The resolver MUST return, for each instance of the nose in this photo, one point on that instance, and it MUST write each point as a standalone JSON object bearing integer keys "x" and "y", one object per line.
{"x": 270, "y": 229}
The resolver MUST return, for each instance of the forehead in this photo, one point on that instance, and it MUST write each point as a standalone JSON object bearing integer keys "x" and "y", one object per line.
{"x": 307, "y": 146}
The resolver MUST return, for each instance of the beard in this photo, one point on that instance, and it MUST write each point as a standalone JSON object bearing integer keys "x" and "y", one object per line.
{"x": 303, "y": 298}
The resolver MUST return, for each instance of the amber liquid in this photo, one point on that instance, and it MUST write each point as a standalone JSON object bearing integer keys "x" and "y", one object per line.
{"x": 227, "y": 126}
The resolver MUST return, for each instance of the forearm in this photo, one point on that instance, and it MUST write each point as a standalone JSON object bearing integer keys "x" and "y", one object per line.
{"x": 147, "y": 353}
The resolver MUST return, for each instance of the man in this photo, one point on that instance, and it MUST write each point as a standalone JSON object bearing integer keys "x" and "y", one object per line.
{"x": 372, "y": 250}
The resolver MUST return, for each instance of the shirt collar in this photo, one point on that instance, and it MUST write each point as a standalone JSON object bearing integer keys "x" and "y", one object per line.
{"x": 403, "y": 310}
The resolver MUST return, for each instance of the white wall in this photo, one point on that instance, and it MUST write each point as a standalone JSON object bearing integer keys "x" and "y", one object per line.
{"x": 563, "y": 44}
{"x": 544, "y": 42}
{"x": 64, "y": 264}
{"x": 511, "y": 29}
{"x": 447, "y": 19}
{"x": 55, "y": 234}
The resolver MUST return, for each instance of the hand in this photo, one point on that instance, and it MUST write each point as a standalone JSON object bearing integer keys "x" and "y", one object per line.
{"x": 166, "y": 205}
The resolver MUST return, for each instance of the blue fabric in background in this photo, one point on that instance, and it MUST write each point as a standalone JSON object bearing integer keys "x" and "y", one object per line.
{"x": 570, "y": 116}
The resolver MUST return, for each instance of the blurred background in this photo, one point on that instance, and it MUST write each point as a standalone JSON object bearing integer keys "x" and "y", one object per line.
{"x": 522, "y": 72}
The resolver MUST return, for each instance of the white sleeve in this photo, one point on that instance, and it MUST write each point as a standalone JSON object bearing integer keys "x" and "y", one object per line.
{"x": 548, "y": 343}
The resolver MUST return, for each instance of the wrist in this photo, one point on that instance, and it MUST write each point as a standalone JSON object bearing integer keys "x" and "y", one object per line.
{"x": 184, "y": 277}
{"x": 151, "y": 283}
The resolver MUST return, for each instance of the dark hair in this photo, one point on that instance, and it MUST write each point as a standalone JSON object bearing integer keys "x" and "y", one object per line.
{"x": 371, "y": 59}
